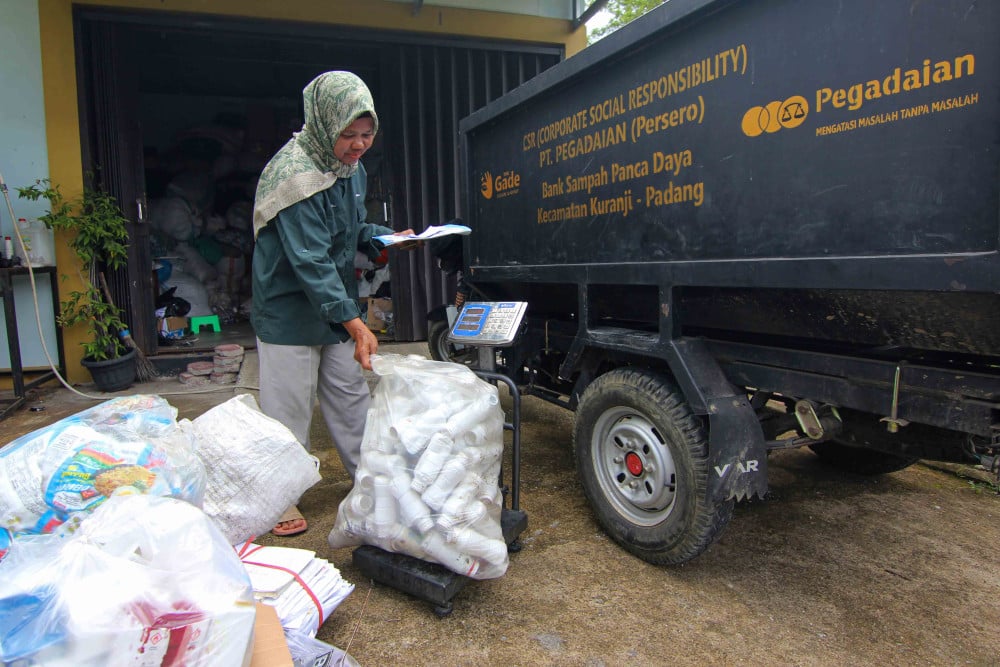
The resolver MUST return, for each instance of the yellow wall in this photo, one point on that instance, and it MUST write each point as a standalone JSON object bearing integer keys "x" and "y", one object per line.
{"x": 59, "y": 73}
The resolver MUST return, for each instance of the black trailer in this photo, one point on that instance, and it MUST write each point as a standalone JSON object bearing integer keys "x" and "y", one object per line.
{"x": 742, "y": 226}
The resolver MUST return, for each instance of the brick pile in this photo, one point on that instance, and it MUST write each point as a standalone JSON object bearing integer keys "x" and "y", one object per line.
{"x": 223, "y": 369}
{"x": 226, "y": 363}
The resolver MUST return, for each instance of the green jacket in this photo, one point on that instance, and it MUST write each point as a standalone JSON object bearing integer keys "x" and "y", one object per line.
{"x": 304, "y": 283}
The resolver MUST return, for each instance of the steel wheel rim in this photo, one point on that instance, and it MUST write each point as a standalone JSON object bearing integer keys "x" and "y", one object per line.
{"x": 633, "y": 466}
{"x": 448, "y": 352}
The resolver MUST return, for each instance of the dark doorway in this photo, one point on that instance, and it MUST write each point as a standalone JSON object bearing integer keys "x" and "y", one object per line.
{"x": 181, "y": 111}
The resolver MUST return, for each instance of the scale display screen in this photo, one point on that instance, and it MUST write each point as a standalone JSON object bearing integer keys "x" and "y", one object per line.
{"x": 488, "y": 323}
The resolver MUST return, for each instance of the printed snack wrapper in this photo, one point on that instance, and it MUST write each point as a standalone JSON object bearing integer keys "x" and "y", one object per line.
{"x": 54, "y": 477}
{"x": 428, "y": 482}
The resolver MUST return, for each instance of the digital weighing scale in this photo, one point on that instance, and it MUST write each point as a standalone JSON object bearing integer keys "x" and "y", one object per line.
{"x": 486, "y": 326}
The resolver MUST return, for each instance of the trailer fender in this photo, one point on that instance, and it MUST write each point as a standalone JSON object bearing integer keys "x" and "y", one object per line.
{"x": 738, "y": 453}
{"x": 439, "y": 314}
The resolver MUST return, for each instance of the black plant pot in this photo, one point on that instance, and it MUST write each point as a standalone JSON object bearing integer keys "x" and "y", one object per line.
{"x": 113, "y": 374}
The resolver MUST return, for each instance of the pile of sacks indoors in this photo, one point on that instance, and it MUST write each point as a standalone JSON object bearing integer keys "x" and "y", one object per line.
{"x": 117, "y": 534}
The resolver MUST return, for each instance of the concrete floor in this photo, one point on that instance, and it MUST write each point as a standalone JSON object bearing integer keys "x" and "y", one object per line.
{"x": 52, "y": 402}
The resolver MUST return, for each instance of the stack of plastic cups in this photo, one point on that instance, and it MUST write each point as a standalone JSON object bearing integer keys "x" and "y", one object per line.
{"x": 361, "y": 505}
{"x": 462, "y": 507}
{"x": 385, "y": 517}
{"x": 451, "y": 474}
{"x": 431, "y": 461}
{"x": 488, "y": 492}
{"x": 354, "y": 520}
{"x": 474, "y": 437}
{"x": 412, "y": 510}
{"x": 380, "y": 463}
{"x": 465, "y": 421}
{"x": 416, "y": 430}
{"x": 434, "y": 545}
{"x": 476, "y": 544}
{"x": 406, "y": 541}
{"x": 371, "y": 438}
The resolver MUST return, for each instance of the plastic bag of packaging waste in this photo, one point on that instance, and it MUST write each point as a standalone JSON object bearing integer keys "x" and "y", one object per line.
{"x": 255, "y": 467}
{"x": 192, "y": 278}
{"x": 427, "y": 484}
{"x": 308, "y": 651}
{"x": 145, "y": 581}
{"x": 51, "y": 479}
{"x": 174, "y": 218}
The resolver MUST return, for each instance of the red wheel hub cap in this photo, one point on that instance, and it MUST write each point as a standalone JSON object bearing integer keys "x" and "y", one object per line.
{"x": 633, "y": 463}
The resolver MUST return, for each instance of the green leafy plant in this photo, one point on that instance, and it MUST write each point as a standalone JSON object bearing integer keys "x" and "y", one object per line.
{"x": 619, "y": 13}
{"x": 101, "y": 243}
{"x": 980, "y": 487}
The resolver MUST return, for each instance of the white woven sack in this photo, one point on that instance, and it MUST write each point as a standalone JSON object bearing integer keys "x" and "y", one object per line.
{"x": 256, "y": 468}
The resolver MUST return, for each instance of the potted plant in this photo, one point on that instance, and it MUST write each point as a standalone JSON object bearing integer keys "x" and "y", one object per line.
{"x": 100, "y": 240}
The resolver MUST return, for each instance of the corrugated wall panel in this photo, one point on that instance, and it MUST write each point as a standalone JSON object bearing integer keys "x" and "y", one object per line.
{"x": 438, "y": 85}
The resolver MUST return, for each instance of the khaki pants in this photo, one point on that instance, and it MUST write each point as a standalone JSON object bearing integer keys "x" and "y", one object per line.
{"x": 291, "y": 378}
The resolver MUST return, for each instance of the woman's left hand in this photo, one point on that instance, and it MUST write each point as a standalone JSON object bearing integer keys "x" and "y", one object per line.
{"x": 408, "y": 245}
{"x": 365, "y": 342}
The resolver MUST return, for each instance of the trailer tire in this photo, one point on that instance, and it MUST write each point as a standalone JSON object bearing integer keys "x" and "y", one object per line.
{"x": 437, "y": 340}
{"x": 443, "y": 350}
{"x": 643, "y": 461}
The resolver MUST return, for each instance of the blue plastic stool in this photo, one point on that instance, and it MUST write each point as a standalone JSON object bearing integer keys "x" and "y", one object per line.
{"x": 206, "y": 320}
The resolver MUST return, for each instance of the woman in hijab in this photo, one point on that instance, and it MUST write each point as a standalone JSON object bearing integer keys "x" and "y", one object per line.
{"x": 309, "y": 219}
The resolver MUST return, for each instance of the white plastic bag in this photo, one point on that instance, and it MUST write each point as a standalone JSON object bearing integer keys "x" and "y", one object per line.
{"x": 428, "y": 481}
{"x": 188, "y": 285}
{"x": 52, "y": 478}
{"x": 255, "y": 467}
{"x": 174, "y": 218}
{"x": 145, "y": 581}
{"x": 307, "y": 651}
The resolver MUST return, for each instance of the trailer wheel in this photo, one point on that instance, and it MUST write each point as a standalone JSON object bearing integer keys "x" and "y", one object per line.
{"x": 441, "y": 350}
{"x": 437, "y": 340}
{"x": 853, "y": 450}
{"x": 642, "y": 458}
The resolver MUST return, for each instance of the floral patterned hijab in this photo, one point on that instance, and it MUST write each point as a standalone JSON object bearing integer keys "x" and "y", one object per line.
{"x": 306, "y": 164}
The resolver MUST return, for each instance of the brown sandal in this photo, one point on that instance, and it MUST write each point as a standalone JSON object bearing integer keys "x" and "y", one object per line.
{"x": 292, "y": 516}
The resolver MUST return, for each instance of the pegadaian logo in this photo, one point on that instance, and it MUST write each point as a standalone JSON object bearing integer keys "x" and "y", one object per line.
{"x": 486, "y": 185}
{"x": 775, "y": 116}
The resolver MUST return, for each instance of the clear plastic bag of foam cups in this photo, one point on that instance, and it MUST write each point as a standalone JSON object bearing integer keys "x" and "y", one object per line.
{"x": 427, "y": 483}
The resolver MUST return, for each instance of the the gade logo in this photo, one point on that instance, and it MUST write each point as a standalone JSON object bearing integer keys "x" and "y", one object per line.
{"x": 486, "y": 185}
{"x": 503, "y": 185}
{"x": 774, "y": 116}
